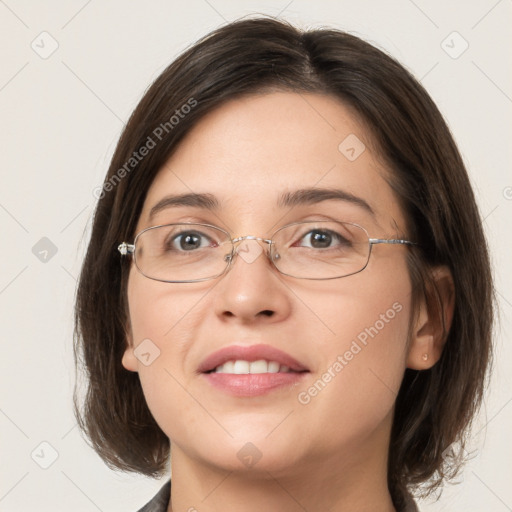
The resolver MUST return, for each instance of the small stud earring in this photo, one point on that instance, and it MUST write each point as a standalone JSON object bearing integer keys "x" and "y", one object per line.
{"x": 424, "y": 357}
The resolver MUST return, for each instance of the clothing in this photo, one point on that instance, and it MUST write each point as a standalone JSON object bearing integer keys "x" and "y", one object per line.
{"x": 161, "y": 501}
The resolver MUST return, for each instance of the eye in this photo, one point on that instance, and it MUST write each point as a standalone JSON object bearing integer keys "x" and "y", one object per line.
{"x": 189, "y": 241}
{"x": 324, "y": 238}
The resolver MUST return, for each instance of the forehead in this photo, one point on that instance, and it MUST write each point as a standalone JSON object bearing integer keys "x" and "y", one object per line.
{"x": 251, "y": 153}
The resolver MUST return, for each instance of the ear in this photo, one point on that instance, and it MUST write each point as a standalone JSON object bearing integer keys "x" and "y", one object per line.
{"x": 433, "y": 321}
{"x": 129, "y": 361}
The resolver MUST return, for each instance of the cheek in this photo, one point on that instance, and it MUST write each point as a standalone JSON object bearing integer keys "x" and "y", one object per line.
{"x": 365, "y": 358}
{"x": 161, "y": 313}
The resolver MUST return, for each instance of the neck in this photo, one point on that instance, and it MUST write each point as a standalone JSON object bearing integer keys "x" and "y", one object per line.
{"x": 354, "y": 481}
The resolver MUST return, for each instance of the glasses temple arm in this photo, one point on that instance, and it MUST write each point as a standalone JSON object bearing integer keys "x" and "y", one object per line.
{"x": 390, "y": 241}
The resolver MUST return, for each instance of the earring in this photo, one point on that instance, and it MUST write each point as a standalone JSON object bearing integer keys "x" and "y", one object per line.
{"x": 424, "y": 357}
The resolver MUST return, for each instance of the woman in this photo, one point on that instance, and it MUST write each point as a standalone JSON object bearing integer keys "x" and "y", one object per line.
{"x": 287, "y": 281}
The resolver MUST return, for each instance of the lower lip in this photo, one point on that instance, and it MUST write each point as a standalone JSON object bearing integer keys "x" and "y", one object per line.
{"x": 255, "y": 384}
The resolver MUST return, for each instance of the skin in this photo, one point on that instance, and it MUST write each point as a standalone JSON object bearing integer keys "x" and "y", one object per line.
{"x": 328, "y": 454}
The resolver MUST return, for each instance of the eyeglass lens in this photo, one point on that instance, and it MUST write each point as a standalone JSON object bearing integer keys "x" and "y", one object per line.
{"x": 310, "y": 250}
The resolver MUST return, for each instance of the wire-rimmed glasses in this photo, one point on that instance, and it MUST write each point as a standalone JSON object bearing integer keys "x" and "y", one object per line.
{"x": 192, "y": 252}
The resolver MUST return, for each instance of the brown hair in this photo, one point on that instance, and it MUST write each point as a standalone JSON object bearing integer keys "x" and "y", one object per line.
{"x": 434, "y": 407}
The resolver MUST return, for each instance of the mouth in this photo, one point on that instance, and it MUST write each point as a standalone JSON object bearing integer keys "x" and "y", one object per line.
{"x": 242, "y": 367}
{"x": 251, "y": 370}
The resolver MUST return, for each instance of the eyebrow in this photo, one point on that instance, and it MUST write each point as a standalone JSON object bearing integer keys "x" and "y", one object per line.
{"x": 303, "y": 196}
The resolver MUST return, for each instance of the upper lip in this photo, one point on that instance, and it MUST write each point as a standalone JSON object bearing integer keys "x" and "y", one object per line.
{"x": 250, "y": 353}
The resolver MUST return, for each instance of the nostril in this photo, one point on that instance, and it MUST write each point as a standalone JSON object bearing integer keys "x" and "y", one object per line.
{"x": 267, "y": 312}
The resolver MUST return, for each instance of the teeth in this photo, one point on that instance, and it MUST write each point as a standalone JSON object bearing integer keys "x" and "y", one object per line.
{"x": 241, "y": 367}
{"x": 273, "y": 367}
{"x": 228, "y": 367}
{"x": 258, "y": 367}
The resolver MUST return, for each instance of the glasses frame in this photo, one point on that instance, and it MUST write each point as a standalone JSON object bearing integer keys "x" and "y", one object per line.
{"x": 127, "y": 249}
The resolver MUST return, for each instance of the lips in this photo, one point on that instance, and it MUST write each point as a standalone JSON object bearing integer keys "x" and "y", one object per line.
{"x": 257, "y": 370}
{"x": 251, "y": 354}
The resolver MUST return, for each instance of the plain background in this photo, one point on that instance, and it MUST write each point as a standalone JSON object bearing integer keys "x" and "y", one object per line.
{"x": 61, "y": 117}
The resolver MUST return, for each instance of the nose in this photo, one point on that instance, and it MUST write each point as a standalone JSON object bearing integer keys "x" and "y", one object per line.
{"x": 252, "y": 289}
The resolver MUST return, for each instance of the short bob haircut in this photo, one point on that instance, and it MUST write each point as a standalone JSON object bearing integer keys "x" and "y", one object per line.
{"x": 435, "y": 407}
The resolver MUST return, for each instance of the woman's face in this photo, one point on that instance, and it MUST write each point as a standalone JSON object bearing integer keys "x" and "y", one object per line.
{"x": 348, "y": 335}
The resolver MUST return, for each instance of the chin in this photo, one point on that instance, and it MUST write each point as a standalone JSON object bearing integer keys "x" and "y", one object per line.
{"x": 253, "y": 453}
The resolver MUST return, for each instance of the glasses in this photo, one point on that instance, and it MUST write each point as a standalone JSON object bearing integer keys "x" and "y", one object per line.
{"x": 190, "y": 252}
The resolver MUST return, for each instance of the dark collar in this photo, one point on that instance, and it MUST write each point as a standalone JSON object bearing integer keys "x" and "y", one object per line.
{"x": 160, "y": 502}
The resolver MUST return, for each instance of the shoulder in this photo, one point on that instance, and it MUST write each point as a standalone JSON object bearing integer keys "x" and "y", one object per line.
{"x": 160, "y": 501}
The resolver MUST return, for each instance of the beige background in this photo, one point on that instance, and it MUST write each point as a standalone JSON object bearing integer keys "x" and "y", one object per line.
{"x": 60, "y": 119}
